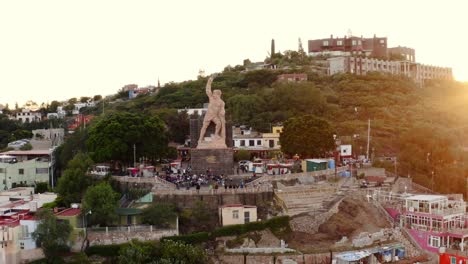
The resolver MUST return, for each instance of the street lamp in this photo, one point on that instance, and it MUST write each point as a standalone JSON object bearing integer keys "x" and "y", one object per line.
{"x": 84, "y": 225}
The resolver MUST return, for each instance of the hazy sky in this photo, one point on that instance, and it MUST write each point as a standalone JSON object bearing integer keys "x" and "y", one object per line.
{"x": 55, "y": 50}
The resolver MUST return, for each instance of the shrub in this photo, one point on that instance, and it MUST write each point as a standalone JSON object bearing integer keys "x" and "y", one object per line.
{"x": 105, "y": 250}
{"x": 194, "y": 238}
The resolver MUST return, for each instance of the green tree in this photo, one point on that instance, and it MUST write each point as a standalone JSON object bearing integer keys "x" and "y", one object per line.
{"x": 242, "y": 154}
{"x": 113, "y": 137}
{"x": 97, "y": 97}
{"x": 136, "y": 252}
{"x": 101, "y": 200}
{"x": 161, "y": 215}
{"x": 307, "y": 136}
{"x": 178, "y": 252}
{"x": 26, "y": 146}
{"x": 74, "y": 181}
{"x": 51, "y": 235}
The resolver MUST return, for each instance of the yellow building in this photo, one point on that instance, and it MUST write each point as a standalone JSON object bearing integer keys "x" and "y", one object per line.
{"x": 237, "y": 214}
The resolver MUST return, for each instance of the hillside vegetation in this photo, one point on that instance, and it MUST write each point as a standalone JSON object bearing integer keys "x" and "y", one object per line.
{"x": 425, "y": 127}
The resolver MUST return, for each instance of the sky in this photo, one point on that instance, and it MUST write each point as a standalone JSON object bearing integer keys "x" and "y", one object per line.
{"x": 56, "y": 50}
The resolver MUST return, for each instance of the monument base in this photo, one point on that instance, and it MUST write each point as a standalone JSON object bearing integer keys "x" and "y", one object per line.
{"x": 218, "y": 161}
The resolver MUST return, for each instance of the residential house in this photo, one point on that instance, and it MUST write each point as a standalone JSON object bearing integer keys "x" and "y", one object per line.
{"x": 292, "y": 77}
{"x": 26, "y": 168}
{"x": 236, "y": 214}
{"x": 27, "y": 116}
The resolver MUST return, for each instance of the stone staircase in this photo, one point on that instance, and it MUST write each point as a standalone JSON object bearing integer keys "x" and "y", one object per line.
{"x": 306, "y": 199}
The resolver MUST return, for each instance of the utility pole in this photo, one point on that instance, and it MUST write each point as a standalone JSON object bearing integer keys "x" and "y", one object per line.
{"x": 134, "y": 155}
{"x": 368, "y": 140}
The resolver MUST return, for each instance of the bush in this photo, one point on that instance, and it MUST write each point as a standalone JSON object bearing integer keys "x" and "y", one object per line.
{"x": 105, "y": 250}
{"x": 277, "y": 225}
{"x": 194, "y": 238}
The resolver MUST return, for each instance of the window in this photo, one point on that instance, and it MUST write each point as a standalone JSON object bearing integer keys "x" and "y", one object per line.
{"x": 247, "y": 217}
{"x": 42, "y": 170}
{"x": 21, "y": 171}
{"x": 251, "y": 143}
{"x": 382, "y": 41}
{"x": 242, "y": 143}
{"x": 325, "y": 43}
{"x": 235, "y": 214}
{"x": 2, "y": 170}
{"x": 339, "y": 43}
{"x": 259, "y": 142}
{"x": 359, "y": 42}
{"x": 434, "y": 241}
{"x": 271, "y": 143}
{"x": 353, "y": 42}
{"x": 22, "y": 245}
{"x": 278, "y": 131}
{"x": 453, "y": 260}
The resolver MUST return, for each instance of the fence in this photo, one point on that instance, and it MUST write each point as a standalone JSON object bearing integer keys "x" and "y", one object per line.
{"x": 293, "y": 176}
{"x": 219, "y": 191}
{"x": 122, "y": 234}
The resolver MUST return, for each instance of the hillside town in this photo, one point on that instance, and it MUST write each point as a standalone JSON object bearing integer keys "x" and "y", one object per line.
{"x": 344, "y": 152}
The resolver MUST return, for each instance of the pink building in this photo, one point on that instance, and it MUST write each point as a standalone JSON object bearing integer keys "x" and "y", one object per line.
{"x": 433, "y": 221}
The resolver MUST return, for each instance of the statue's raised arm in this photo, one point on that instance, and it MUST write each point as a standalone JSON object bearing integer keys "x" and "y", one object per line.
{"x": 208, "y": 85}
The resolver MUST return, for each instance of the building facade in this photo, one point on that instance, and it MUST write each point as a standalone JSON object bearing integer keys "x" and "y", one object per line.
{"x": 348, "y": 46}
{"x": 27, "y": 116}
{"x": 362, "y": 66}
{"x": 237, "y": 214}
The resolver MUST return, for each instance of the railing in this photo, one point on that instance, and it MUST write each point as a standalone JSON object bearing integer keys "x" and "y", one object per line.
{"x": 128, "y": 229}
{"x": 153, "y": 180}
{"x": 219, "y": 191}
{"x": 293, "y": 176}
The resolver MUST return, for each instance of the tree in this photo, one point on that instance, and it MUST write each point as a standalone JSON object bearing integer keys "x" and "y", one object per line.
{"x": 74, "y": 181}
{"x": 165, "y": 252}
{"x": 84, "y": 99}
{"x": 114, "y": 137}
{"x": 97, "y": 97}
{"x": 53, "y": 107}
{"x": 242, "y": 154}
{"x": 136, "y": 252}
{"x": 178, "y": 252}
{"x": 307, "y": 136}
{"x": 160, "y": 214}
{"x": 51, "y": 235}
{"x": 101, "y": 200}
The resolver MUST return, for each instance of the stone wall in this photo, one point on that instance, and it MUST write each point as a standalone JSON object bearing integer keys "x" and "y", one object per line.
{"x": 320, "y": 258}
{"x": 213, "y": 201}
{"x": 119, "y": 237}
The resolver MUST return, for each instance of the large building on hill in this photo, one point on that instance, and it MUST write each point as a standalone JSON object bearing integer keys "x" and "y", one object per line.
{"x": 358, "y": 55}
{"x": 349, "y": 46}
{"x": 362, "y": 66}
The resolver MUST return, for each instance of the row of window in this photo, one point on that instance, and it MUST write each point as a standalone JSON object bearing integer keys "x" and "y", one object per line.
{"x": 251, "y": 143}
{"x": 21, "y": 171}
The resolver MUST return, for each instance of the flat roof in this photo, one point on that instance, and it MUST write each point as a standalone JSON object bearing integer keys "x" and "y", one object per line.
{"x": 237, "y": 205}
{"x": 28, "y": 152}
{"x": 427, "y": 197}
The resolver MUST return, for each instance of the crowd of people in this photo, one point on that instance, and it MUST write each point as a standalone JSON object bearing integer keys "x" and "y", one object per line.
{"x": 185, "y": 179}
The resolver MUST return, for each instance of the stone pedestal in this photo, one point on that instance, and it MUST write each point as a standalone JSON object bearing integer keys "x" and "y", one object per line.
{"x": 219, "y": 161}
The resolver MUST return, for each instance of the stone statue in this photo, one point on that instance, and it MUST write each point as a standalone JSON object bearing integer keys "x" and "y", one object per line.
{"x": 215, "y": 114}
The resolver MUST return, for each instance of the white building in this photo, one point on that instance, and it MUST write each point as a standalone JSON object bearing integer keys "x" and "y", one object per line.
{"x": 26, "y": 116}
{"x": 362, "y": 66}
{"x": 78, "y": 106}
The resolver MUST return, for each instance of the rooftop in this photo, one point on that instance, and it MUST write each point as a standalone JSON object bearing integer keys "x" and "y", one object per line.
{"x": 427, "y": 197}
{"x": 237, "y": 205}
{"x": 27, "y": 152}
{"x": 69, "y": 212}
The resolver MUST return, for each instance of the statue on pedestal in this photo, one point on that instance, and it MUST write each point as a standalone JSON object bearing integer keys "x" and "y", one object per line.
{"x": 215, "y": 114}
